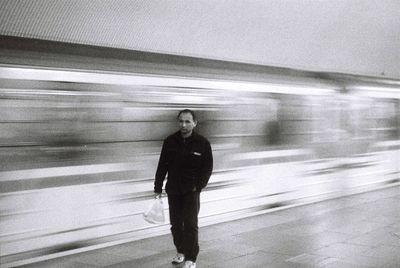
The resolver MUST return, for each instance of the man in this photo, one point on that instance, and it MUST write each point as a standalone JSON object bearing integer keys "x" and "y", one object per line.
{"x": 187, "y": 158}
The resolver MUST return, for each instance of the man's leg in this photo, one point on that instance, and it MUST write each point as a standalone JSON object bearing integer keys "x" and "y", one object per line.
{"x": 176, "y": 218}
{"x": 190, "y": 237}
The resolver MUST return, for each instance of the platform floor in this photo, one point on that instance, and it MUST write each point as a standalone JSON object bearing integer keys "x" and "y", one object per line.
{"x": 358, "y": 231}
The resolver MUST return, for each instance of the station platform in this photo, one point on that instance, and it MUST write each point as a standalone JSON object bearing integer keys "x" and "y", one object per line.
{"x": 361, "y": 230}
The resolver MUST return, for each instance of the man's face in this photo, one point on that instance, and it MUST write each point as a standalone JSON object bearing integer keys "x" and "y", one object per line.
{"x": 186, "y": 123}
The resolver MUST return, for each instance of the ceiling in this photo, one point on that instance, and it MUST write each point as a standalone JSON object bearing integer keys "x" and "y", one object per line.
{"x": 345, "y": 36}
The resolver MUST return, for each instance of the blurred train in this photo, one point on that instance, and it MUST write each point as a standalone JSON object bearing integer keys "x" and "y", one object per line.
{"x": 79, "y": 149}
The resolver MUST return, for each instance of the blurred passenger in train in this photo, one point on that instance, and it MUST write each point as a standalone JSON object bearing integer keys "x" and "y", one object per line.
{"x": 187, "y": 158}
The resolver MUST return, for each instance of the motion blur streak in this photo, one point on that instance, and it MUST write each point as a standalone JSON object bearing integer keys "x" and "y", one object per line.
{"x": 79, "y": 149}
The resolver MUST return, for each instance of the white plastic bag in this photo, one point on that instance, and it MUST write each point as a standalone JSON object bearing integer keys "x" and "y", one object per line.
{"x": 155, "y": 213}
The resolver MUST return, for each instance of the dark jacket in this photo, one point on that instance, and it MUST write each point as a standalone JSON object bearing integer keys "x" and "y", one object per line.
{"x": 188, "y": 162}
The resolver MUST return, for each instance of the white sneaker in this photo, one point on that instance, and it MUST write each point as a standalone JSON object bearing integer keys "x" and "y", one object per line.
{"x": 179, "y": 258}
{"x": 189, "y": 264}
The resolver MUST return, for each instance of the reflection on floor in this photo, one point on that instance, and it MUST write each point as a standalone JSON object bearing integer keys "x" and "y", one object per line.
{"x": 358, "y": 231}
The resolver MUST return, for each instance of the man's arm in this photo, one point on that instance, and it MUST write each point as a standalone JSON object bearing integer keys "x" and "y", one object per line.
{"x": 206, "y": 169}
{"x": 161, "y": 170}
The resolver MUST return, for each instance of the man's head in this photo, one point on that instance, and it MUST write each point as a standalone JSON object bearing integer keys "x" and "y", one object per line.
{"x": 187, "y": 122}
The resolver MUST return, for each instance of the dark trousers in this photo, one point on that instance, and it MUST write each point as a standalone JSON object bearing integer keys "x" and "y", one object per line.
{"x": 183, "y": 213}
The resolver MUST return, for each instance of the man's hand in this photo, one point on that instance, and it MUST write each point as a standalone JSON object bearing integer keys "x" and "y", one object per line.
{"x": 157, "y": 195}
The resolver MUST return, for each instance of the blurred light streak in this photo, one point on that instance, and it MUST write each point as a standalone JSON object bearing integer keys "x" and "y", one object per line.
{"x": 164, "y": 81}
{"x": 377, "y": 92}
{"x": 267, "y": 154}
{"x": 69, "y": 171}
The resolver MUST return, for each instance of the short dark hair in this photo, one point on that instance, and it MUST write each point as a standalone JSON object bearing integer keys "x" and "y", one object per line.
{"x": 187, "y": 111}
